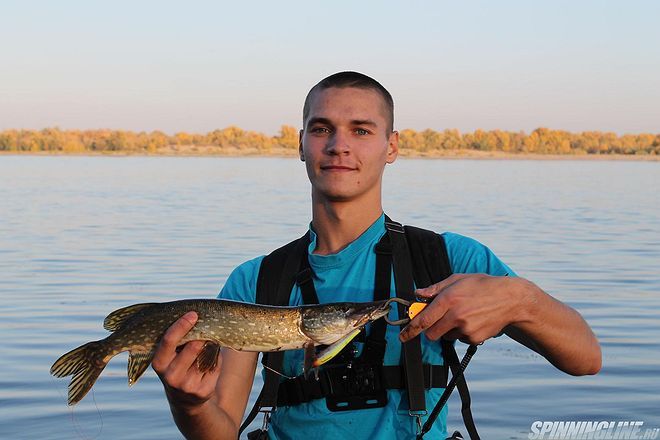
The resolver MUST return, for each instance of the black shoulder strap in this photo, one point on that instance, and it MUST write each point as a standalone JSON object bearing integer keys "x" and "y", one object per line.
{"x": 278, "y": 271}
{"x": 405, "y": 288}
{"x": 429, "y": 254}
{"x": 276, "y": 278}
{"x": 431, "y": 265}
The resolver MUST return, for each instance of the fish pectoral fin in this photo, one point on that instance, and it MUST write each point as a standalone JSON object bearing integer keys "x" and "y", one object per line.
{"x": 207, "y": 359}
{"x": 310, "y": 358}
{"x": 138, "y": 362}
{"x": 333, "y": 350}
{"x": 115, "y": 319}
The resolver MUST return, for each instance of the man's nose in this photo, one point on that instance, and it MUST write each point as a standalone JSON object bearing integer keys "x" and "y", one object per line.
{"x": 338, "y": 143}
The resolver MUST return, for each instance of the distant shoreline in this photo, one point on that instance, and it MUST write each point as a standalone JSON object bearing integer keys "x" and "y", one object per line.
{"x": 213, "y": 151}
{"x": 542, "y": 143}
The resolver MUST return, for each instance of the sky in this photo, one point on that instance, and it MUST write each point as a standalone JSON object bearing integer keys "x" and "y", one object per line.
{"x": 202, "y": 65}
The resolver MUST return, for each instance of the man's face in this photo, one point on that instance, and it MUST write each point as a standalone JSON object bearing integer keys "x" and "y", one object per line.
{"x": 345, "y": 144}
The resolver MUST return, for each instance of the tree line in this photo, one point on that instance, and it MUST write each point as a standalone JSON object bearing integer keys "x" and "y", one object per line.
{"x": 539, "y": 141}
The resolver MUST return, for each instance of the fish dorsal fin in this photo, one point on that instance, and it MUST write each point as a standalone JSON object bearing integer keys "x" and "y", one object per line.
{"x": 333, "y": 350}
{"x": 138, "y": 362}
{"x": 115, "y": 319}
{"x": 207, "y": 359}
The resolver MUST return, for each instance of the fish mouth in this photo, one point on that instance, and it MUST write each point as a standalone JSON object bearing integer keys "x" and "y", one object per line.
{"x": 373, "y": 312}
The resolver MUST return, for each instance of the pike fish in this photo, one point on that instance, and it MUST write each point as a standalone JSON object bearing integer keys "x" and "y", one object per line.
{"x": 221, "y": 323}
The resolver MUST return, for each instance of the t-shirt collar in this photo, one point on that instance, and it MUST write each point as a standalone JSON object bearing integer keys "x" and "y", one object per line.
{"x": 348, "y": 254}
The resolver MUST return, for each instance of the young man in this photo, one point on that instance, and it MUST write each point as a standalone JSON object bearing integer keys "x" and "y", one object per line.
{"x": 346, "y": 141}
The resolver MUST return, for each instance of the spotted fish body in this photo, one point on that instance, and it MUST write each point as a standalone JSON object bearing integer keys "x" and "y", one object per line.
{"x": 221, "y": 323}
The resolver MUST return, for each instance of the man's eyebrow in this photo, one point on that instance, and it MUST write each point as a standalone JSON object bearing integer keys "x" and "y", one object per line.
{"x": 364, "y": 122}
{"x": 318, "y": 120}
{"x": 326, "y": 121}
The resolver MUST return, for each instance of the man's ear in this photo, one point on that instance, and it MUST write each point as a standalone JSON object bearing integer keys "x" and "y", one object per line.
{"x": 300, "y": 146}
{"x": 393, "y": 147}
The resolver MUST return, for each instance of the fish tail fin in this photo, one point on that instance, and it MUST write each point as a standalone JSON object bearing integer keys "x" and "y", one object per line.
{"x": 85, "y": 363}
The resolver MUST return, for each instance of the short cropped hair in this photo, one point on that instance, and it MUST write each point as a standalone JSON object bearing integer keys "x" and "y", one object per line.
{"x": 359, "y": 81}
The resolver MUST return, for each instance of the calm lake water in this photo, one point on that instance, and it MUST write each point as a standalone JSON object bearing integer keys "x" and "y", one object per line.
{"x": 82, "y": 236}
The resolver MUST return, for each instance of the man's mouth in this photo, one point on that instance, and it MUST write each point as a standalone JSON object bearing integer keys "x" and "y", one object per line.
{"x": 337, "y": 168}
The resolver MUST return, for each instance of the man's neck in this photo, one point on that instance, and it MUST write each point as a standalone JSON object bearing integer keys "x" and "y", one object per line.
{"x": 338, "y": 224}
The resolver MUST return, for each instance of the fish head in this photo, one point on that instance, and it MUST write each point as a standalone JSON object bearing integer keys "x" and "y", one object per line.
{"x": 327, "y": 323}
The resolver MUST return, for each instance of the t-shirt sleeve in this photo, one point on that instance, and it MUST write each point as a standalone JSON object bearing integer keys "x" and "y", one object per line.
{"x": 467, "y": 255}
{"x": 242, "y": 283}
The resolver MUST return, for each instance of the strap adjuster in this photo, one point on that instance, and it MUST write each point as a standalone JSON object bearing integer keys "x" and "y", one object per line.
{"x": 394, "y": 227}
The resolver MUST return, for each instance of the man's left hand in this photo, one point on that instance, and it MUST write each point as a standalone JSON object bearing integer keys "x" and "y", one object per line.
{"x": 468, "y": 307}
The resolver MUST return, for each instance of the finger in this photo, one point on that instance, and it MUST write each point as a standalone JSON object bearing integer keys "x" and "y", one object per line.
{"x": 166, "y": 350}
{"x": 458, "y": 334}
{"x": 434, "y": 289}
{"x": 451, "y": 335}
{"x": 425, "y": 319}
{"x": 184, "y": 363}
{"x": 443, "y": 328}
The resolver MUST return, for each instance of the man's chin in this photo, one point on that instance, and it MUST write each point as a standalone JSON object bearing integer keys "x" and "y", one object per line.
{"x": 335, "y": 196}
{"x": 339, "y": 197}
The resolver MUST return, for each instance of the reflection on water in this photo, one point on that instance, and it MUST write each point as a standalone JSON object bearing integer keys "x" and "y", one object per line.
{"x": 81, "y": 236}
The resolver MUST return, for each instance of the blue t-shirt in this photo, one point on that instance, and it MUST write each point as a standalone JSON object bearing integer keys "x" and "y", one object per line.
{"x": 349, "y": 276}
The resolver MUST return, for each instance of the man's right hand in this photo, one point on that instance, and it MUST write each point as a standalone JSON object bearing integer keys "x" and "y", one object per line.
{"x": 186, "y": 387}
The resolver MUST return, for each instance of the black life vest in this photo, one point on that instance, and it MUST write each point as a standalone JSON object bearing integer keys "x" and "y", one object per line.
{"x": 419, "y": 258}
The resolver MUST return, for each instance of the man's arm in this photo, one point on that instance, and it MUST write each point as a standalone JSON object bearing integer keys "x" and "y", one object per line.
{"x": 475, "y": 307}
{"x": 204, "y": 405}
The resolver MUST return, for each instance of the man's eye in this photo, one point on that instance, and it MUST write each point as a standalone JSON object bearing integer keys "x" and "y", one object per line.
{"x": 361, "y": 131}
{"x": 320, "y": 130}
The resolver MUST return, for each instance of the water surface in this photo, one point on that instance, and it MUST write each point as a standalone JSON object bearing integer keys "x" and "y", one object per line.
{"x": 81, "y": 236}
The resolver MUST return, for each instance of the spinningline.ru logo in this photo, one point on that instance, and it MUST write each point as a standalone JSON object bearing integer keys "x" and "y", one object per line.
{"x": 610, "y": 430}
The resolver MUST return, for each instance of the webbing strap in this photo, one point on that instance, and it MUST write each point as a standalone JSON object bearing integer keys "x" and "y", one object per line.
{"x": 449, "y": 353}
{"x": 374, "y": 349}
{"x": 334, "y": 382}
{"x": 412, "y": 350}
{"x": 274, "y": 283}
{"x": 305, "y": 280}
{"x": 429, "y": 254}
